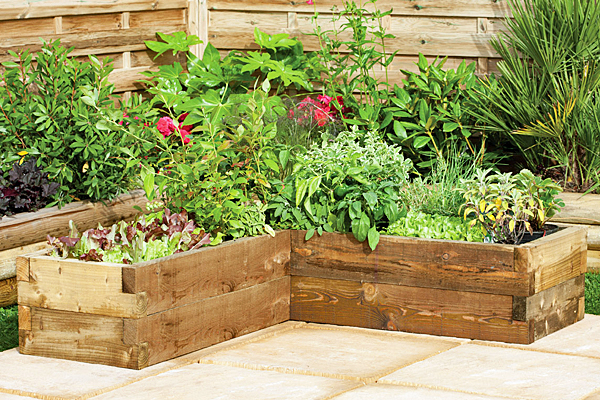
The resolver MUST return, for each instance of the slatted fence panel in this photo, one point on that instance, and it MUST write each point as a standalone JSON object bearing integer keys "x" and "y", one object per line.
{"x": 459, "y": 29}
{"x": 106, "y": 28}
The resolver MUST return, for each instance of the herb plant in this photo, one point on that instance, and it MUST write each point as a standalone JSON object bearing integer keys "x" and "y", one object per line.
{"x": 9, "y": 328}
{"x": 148, "y": 237}
{"x": 432, "y": 226}
{"x": 506, "y": 206}
{"x": 349, "y": 184}
{"x": 26, "y": 189}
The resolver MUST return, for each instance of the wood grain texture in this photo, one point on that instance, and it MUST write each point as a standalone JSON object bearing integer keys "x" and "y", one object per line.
{"x": 24, "y": 318}
{"x": 553, "y": 308}
{"x": 21, "y": 9}
{"x": 440, "y": 264}
{"x": 197, "y": 325}
{"x": 409, "y": 309}
{"x": 8, "y": 258}
{"x": 192, "y": 276}
{"x": 579, "y": 209}
{"x": 8, "y": 292}
{"x": 553, "y": 259}
{"x": 27, "y": 228}
{"x": 458, "y": 8}
{"x": 84, "y": 287}
{"x": 80, "y": 337}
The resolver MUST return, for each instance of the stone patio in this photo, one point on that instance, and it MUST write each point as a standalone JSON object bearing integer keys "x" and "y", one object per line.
{"x": 296, "y": 360}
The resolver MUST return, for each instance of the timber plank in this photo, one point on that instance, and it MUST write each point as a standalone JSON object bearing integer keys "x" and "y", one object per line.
{"x": 555, "y": 258}
{"x": 20, "y": 9}
{"x": 97, "y": 42}
{"x": 71, "y": 285}
{"x": 80, "y": 337}
{"x": 8, "y": 258}
{"x": 211, "y": 271}
{"x": 25, "y": 318}
{"x": 408, "y": 309}
{"x": 553, "y": 308}
{"x": 8, "y": 292}
{"x": 181, "y": 330}
{"x": 458, "y": 8}
{"x": 579, "y": 209}
{"x": 428, "y": 43}
{"x": 27, "y": 228}
{"x": 440, "y": 264}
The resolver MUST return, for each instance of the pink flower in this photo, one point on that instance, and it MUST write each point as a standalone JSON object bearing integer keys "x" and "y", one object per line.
{"x": 310, "y": 2}
{"x": 184, "y": 135}
{"x": 182, "y": 118}
{"x": 166, "y": 126}
{"x": 325, "y": 99}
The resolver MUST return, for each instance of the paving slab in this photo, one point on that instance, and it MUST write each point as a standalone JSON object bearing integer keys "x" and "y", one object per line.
{"x": 64, "y": 379}
{"x": 6, "y": 396}
{"x": 504, "y": 372}
{"x": 208, "y": 382}
{"x": 387, "y": 392}
{"x": 593, "y": 396}
{"x": 581, "y": 338}
{"x": 337, "y": 352}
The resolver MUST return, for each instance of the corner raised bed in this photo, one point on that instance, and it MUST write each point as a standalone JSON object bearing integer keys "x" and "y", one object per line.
{"x": 514, "y": 294}
{"x": 138, "y": 315}
{"x": 26, "y": 233}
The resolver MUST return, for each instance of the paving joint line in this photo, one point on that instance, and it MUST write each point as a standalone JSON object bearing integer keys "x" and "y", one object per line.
{"x": 445, "y": 389}
{"x": 31, "y": 395}
{"x": 509, "y": 346}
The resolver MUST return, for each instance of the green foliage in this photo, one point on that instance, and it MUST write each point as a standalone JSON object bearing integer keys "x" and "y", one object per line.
{"x": 220, "y": 174}
{"x": 546, "y": 99}
{"x": 176, "y": 42}
{"x": 349, "y": 184}
{"x": 433, "y": 226}
{"x": 506, "y": 206}
{"x": 9, "y": 328}
{"x": 437, "y": 193}
{"x": 592, "y": 293}
{"x": 151, "y": 236}
{"x": 281, "y": 61}
{"x": 51, "y": 109}
{"x": 428, "y": 113}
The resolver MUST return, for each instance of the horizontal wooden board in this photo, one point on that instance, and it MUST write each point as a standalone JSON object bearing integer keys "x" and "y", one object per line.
{"x": 84, "y": 287}
{"x": 428, "y": 43}
{"x": 8, "y": 292}
{"x": 194, "y": 326}
{"x": 457, "y": 8}
{"x": 554, "y": 308}
{"x": 20, "y": 9}
{"x": 593, "y": 236}
{"x": 8, "y": 258}
{"x": 80, "y": 337}
{"x": 553, "y": 259}
{"x": 27, "y": 228}
{"x": 409, "y": 309}
{"x": 85, "y": 43}
{"x": 579, "y": 209}
{"x": 440, "y": 264}
{"x": 189, "y": 277}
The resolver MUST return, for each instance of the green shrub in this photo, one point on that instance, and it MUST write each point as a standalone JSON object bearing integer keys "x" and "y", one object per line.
{"x": 51, "y": 108}
{"x": 9, "y": 328}
{"x": 592, "y": 293}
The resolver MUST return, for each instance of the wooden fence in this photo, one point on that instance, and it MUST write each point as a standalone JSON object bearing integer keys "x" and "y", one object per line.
{"x": 459, "y": 29}
{"x": 113, "y": 28}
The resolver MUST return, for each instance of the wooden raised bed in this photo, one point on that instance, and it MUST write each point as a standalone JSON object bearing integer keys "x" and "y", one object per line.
{"x": 138, "y": 315}
{"x": 584, "y": 211}
{"x": 514, "y": 294}
{"x": 26, "y": 233}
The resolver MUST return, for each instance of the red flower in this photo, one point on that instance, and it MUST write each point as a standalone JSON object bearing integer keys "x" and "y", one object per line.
{"x": 166, "y": 126}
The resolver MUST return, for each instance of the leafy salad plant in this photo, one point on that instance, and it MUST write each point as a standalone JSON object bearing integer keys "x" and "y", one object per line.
{"x": 148, "y": 237}
{"x": 432, "y": 226}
